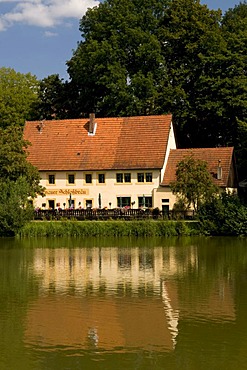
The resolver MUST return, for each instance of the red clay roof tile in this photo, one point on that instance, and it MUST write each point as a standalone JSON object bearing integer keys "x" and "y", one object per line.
{"x": 210, "y": 155}
{"x": 119, "y": 143}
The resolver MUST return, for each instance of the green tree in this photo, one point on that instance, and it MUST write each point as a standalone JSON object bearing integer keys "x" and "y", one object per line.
{"x": 207, "y": 63}
{"x": 151, "y": 57}
{"x": 234, "y": 28}
{"x": 143, "y": 57}
{"x": 224, "y": 215}
{"x": 194, "y": 184}
{"x": 56, "y": 99}
{"x": 19, "y": 181}
{"x": 118, "y": 68}
{"x": 13, "y": 159}
{"x": 15, "y": 208}
{"x": 241, "y": 150}
{"x": 192, "y": 37}
{"x": 18, "y": 97}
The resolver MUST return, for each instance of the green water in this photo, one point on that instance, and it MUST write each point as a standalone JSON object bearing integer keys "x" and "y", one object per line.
{"x": 123, "y": 304}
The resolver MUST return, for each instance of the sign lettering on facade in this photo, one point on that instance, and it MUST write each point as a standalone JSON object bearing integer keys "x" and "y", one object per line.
{"x": 67, "y": 192}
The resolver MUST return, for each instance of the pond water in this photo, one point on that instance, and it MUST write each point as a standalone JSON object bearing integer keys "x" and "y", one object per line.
{"x": 123, "y": 304}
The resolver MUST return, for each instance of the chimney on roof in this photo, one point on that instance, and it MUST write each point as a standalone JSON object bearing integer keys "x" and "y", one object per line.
{"x": 91, "y": 123}
{"x": 219, "y": 170}
{"x": 40, "y": 126}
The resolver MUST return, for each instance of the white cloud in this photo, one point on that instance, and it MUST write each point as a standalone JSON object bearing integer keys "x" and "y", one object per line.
{"x": 50, "y": 34}
{"x": 43, "y": 13}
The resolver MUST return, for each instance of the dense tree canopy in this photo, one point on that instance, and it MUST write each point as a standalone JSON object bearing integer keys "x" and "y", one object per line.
{"x": 150, "y": 56}
{"x": 19, "y": 181}
{"x": 56, "y": 99}
{"x": 13, "y": 159}
{"x": 119, "y": 68}
{"x": 190, "y": 37}
{"x": 18, "y": 96}
{"x": 194, "y": 184}
{"x": 141, "y": 57}
{"x": 224, "y": 215}
{"x": 234, "y": 28}
{"x": 15, "y": 209}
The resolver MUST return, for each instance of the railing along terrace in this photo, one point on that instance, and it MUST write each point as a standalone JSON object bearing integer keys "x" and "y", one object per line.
{"x": 114, "y": 214}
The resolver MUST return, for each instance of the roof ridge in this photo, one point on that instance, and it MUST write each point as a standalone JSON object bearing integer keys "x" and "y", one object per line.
{"x": 100, "y": 118}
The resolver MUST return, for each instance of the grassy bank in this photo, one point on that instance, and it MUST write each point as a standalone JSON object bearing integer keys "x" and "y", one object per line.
{"x": 109, "y": 228}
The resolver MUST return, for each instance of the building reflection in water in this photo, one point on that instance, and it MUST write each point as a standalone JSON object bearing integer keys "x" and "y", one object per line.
{"x": 116, "y": 298}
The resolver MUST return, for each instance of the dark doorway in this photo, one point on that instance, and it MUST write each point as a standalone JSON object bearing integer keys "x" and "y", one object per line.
{"x": 51, "y": 204}
{"x": 165, "y": 210}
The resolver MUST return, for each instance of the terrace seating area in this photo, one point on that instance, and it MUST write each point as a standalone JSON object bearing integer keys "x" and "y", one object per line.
{"x": 111, "y": 214}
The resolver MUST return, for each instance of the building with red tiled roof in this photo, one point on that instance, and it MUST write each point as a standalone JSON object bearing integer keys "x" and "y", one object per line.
{"x": 220, "y": 163}
{"x": 115, "y": 143}
{"x": 100, "y": 162}
{"x": 113, "y": 162}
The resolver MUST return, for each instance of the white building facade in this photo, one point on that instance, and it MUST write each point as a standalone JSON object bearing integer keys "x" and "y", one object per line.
{"x": 115, "y": 162}
{"x": 80, "y": 185}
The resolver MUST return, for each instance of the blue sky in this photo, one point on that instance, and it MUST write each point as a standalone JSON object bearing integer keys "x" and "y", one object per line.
{"x": 39, "y": 36}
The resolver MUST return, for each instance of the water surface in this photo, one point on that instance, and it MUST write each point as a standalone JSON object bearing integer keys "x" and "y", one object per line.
{"x": 123, "y": 304}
